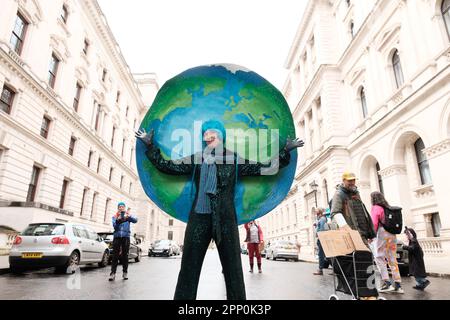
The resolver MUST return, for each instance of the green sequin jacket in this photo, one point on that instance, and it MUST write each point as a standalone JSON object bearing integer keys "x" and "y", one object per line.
{"x": 222, "y": 204}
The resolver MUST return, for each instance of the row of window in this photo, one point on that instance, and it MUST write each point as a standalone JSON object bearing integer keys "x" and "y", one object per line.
{"x": 32, "y": 189}
{"x": 17, "y": 41}
{"x": 422, "y": 165}
{"x": 445, "y": 11}
{"x": 395, "y": 58}
{"x": 399, "y": 82}
{"x": 20, "y": 29}
{"x": 94, "y": 205}
{"x": 6, "y": 100}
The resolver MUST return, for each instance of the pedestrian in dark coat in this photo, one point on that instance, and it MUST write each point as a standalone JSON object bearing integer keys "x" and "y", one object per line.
{"x": 416, "y": 261}
{"x": 348, "y": 210}
{"x": 213, "y": 213}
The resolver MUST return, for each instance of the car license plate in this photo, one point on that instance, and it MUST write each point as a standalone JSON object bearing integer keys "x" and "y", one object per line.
{"x": 32, "y": 255}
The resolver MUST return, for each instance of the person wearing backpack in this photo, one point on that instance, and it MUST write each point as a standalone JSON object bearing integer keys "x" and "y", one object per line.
{"x": 386, "y": 221}
{"x": 321, "y": 225}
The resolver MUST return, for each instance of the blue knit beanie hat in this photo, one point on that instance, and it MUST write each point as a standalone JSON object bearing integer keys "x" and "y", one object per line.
{"x": 216, "y": 126}
{"x": 121, "y": 204}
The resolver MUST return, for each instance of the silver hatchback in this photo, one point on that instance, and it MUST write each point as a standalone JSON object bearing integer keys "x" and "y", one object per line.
{"x": 64, "y": 246}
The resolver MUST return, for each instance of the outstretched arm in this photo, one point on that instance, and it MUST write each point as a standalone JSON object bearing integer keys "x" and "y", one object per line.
{"x": 153, "y": 153}
{"x": 257, "y": 169}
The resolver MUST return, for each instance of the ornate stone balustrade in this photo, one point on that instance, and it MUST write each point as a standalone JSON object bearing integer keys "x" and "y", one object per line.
{"x": 432, "y": 245}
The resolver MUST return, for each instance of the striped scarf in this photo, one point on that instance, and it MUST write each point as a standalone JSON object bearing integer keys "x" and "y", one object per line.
{"x": 207, "y": 185}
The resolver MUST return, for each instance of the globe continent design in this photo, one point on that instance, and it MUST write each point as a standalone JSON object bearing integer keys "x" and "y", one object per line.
{"x": 241, "y": 100}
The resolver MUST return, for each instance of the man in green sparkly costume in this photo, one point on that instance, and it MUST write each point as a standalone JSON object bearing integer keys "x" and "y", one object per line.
{"x": 213, "y": 213}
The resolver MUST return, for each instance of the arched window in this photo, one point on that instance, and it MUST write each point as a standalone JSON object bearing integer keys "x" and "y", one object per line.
{"x": 362, "y": 97}
{"x": 445, "y": 9}
{"x": 422, "y": 162}
{"x": 398, "y": 72}
{"x": 380, "y": 179}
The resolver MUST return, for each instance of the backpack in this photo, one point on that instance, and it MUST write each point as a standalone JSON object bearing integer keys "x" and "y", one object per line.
{"x": 393, "y": 221}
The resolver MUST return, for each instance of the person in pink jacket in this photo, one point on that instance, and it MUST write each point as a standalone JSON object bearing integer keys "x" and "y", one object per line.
{"x": 254, "y": 238}
{"x": 385, "y": 246}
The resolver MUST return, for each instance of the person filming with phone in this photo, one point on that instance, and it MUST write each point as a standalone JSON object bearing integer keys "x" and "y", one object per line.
{"x": 121, "y": 243}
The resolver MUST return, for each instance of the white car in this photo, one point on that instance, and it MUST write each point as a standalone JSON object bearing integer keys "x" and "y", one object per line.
{"x": 166, "y": 248}
{"x": 282, "y": 249}
{"x": 61, "y": 245}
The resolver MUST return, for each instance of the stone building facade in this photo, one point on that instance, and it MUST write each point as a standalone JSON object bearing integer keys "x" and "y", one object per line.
{"x": 369, "y": 89}
{"x": 68, "y": 111}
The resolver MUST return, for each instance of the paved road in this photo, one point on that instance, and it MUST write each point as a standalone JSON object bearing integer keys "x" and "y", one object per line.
{"x": 155, "y": 279}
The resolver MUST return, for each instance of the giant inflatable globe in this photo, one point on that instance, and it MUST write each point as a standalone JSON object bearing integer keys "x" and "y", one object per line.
{"x": 248, "y": 106}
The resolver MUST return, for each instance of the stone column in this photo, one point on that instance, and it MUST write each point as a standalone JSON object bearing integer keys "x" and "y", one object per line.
{"x": 302, "y": 151}
{"x": 310, "y": 59}
{"x": 365, "y": 190}
{"x": 315, "y": 120}
{"x": 94, "y": 113}
{"x": 104, "y": 119}
{"x": 439, "y": 159}
{"x": 87, "y": 204}
{"x": 308, "y": 141}
{"x": 428, "y": 225}
{"x": 296, "y": 84}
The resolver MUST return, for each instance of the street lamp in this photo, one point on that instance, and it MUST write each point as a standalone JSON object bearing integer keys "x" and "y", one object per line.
{"x": 313, "y": 185}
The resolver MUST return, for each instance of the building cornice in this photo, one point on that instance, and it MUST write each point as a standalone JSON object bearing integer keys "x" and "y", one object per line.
{"x": 21, "y": 204}
{"x": 362, "y": 33}
{"x": 311, "y": 167}
{"x": 75, "y": 162}
{"x": 291, "y": 193}
{"x": 313, "y": 84}
{"x": 61, "y": 108}
{"x": 437, "y": 149}
{"x": 392, "y": 114}
{"x": 396, "y": 169}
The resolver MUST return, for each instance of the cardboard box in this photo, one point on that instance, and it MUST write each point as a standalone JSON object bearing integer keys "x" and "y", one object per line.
{"x": 341, "y": 242}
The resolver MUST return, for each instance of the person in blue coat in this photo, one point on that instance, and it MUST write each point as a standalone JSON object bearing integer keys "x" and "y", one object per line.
{"x": 121, "y": 243}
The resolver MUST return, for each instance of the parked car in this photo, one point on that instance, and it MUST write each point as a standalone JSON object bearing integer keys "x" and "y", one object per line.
{"x": 134, "y": 253}
{"x": 283, "y": 249}
{"x": 244, "y": 249}
{"x": 64, "y": 246}
{"x": 166, "y": 248}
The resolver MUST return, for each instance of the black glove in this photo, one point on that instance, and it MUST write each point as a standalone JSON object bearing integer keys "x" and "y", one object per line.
{"x": 292, "y": 144}
{"x": 147, "y": 138}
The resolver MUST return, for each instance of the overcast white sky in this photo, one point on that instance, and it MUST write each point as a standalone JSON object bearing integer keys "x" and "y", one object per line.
{"x": 170, "y": 36}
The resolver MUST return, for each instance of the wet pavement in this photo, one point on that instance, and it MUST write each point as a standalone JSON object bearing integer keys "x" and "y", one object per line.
{"x": 155, "y": 279}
